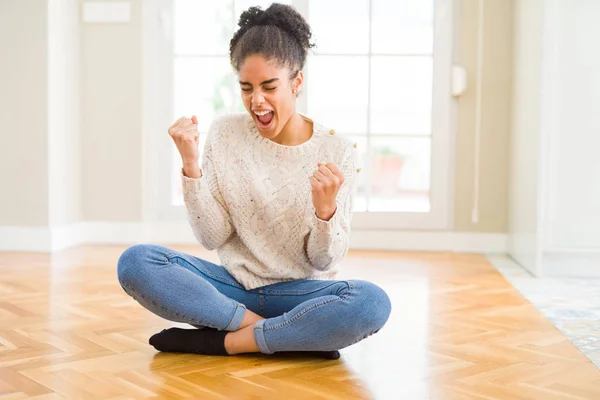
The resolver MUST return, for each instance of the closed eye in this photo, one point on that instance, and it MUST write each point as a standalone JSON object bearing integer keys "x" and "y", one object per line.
{"x": 267, "y": 89}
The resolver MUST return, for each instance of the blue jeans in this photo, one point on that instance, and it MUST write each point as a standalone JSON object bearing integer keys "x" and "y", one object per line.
{"x": 302, "y": 315}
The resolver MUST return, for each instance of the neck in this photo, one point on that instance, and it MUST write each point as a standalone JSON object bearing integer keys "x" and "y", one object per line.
{"x": 296, "y": 131}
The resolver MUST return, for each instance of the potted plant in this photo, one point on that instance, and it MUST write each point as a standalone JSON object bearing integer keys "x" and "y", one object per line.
{"x": 386, "y": 166}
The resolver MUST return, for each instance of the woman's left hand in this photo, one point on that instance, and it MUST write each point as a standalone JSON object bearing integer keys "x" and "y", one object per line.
{"x": 326, "y": 183}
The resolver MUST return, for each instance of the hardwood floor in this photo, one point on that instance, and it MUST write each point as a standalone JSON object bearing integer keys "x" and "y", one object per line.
{"x": 458, "y": 330}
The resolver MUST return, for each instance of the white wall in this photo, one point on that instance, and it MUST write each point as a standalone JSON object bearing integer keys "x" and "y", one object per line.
{"x": 555, "y": 167}
{"x": 39, "y": 119}
{"x": 51, "y": 174}
{"x": 524, "y": 169}
{"x": 574, "y": 174}
{"x": 23, "y": 113}
{"x": 64, "y": 144}
{"x": 571, "y": 243}
{"x": 111, "y": 57}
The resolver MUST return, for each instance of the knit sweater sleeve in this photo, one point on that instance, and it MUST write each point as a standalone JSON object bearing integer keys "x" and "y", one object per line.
{"x": 206, "y": 209}
{"x": 328, "y": 241}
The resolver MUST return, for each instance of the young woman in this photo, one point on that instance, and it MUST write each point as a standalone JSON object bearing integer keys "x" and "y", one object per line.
{"x": 274, "y": 197}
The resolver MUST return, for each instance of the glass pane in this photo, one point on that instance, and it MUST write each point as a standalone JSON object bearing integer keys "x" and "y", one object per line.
{"x": 338, "y": 92}
{"x": 206, "y": 87}
{"x": 340, "y": 26}
{"x": 360, "y": 200}
{"x": 401, "y": 94}
{"x": 400, "y": 174}
{"x": 202, "y": 26}
{"x": 402, "y": 26}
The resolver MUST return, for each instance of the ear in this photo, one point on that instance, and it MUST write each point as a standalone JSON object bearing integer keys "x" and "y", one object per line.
{"x": 298, "y": 81}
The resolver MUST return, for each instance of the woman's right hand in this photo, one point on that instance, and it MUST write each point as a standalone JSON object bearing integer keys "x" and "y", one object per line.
{"x": 184, "y": 133}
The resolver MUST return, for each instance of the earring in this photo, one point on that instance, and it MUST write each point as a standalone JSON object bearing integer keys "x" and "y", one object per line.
{"x": 294, "y": 90}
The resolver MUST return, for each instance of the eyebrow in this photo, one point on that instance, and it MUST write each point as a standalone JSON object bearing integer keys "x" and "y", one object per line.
{"x": 263, "y": 83}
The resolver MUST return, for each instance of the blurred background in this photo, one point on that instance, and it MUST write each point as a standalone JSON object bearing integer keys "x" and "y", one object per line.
{"x": 477, "y": 122}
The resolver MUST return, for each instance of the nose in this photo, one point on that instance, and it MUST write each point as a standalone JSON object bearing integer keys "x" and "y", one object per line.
{"x": 257, "y": 98}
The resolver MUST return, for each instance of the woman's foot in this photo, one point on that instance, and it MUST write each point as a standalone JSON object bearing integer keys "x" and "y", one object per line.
{"x": 328, "y": 355}
{"x": 207, "y": 341}
{"x": 211, "y": 341}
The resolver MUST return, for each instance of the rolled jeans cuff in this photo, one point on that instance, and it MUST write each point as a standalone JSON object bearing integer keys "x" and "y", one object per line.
{"x": 238, "y": 317}
{"x": 259, "y": 336}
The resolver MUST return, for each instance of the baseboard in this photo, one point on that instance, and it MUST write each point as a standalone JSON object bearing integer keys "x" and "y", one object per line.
{"x": 522, "y": 247}
{"x": 44, "y": 239}
{"x": 179, "y": 232}
{"x": 18, "y": 238}
{"x": 460, "y": 242}
{"x": 68, "y": 236}
{"x": 572, "y": 263}
{"x": 98, "y": 232}
{"x": 558, "y": 262}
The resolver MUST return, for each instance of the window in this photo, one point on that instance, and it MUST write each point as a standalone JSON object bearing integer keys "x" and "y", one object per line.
{"x": 379, "y": 75}
{"x": 371, "y": 78}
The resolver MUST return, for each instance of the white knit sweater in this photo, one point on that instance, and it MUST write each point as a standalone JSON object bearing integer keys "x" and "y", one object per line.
{"x": 253, "y": 203}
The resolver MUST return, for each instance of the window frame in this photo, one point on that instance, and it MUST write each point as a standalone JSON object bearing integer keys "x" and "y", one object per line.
{"x": 157, "y": 160}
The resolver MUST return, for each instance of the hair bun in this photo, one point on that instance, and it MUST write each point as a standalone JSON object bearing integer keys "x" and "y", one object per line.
{"x": 253, "y": 16}
{"x": 280, "y": 32}
{"x": 284, "y": 17}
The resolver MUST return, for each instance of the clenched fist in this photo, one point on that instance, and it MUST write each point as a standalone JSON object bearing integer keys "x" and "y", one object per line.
{"x": 184, "y": 133}
{"x": 325, "y": 184}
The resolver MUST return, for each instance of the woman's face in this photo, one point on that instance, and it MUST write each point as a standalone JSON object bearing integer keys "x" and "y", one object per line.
{"x": 267, "y": 93}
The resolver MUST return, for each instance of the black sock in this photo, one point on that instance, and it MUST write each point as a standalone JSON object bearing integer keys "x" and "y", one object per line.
{"x": 207, "y": 341}
{"x": 328, "y": 355}
{"x": 210, "y": 341}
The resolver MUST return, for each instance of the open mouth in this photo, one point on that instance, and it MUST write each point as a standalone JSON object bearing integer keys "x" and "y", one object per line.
{"x": 264, "y": 119}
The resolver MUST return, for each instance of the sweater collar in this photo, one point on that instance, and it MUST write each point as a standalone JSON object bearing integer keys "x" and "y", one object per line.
{"x": 310, "y": 146}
